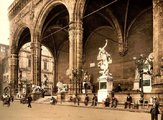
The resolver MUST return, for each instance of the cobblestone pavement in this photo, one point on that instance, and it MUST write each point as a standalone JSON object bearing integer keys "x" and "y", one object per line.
{"x": 19, "y": 111}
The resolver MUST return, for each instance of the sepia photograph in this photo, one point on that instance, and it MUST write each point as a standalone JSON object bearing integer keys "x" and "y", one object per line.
{"x": 81, "y": 60}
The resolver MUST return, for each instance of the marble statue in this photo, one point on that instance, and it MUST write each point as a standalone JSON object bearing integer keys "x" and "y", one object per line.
{"x": 105, "y": 60}
{"x": 45, "y": 81}
{"x": 86, "y": 77}
{"x": 36, "y": 89}
{"x": 60, "y": 87}
{"x": 147, "y": 67}
{"x": 149, "y": 64}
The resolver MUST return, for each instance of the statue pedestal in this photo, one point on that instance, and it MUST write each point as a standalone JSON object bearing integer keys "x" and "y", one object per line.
{"x": 136, "y": 85}
{"x": 105, "y": 87}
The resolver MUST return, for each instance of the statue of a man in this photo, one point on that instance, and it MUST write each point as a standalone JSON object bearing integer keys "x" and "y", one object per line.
{"x": 60, "y": 86}
{"x": 105, "y": 60}
{"x": 45, "y": 81}
{"x": 86, "y": 76}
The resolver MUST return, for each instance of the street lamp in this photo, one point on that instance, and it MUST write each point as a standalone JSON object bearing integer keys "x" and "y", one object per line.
{"x": 74, "y": 72}
{"x": 140, "y": 65}
{"x": 77, "y": 78}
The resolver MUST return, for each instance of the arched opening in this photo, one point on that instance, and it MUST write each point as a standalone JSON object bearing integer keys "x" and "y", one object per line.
{"x": 103, "y": 24}
{"x": 23, "y": 38}
{"x": 54, "y": 38}
{"x": 25, "y": 68}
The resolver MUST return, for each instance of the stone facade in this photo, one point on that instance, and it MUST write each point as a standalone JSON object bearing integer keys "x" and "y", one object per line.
{"x": 73, "y": 30}
{"x": 24, "y": 73}
{"x": 25, "y": 64}
{"x": 3, "y": 53}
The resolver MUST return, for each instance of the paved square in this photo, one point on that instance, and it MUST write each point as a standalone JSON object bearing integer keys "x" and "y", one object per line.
{"x": 19, "y": 111}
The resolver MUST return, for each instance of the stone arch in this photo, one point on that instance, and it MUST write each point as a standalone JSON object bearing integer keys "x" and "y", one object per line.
{"x": 17, "y": 35}
{"x": 122, "y": 47}
{"x": 44, "y": 12}
{"x": 91, "y": 51}
{"x": 97, "y": 30}
{"x": 41, "y": 28}
{"x": 137, "y": 32}
{"x": 116, "y": 25}
{"x": 63, "y": 62}
{"x": 136, "y": 18}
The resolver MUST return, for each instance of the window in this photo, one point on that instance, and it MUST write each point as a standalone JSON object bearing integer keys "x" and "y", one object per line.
{"x": 103, "y": 85}
{"x": 29, "y": 62}
{"x": 45, "y": 65}
{"x": 3, "y": 49}
{"x": 146, "y": 82}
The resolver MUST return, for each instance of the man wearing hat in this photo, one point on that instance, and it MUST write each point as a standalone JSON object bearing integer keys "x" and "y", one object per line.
{"x": 155, "y": 109}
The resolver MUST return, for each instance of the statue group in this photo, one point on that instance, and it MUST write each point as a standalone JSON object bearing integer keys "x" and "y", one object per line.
{"x": 106, "y": 79}
{"x": 105, "y": 60}
{"x": 147, "y": 67}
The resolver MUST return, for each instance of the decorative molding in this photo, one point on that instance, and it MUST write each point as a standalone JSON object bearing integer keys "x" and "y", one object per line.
{"x": 18, "y": 5}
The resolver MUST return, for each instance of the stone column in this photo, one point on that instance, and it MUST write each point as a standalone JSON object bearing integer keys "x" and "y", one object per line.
{"x": 72, "y": 51}
{"x": 55, "y": 74}
{"x": 79, "y": 39}
{"x": 13, "y": 67}
{"x": 75, "y": 46}
{"x": 36, "y": 63}
{"x": 157, "y": 44}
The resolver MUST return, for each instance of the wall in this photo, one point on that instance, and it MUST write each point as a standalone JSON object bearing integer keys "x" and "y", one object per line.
{"x": 122, "y": 68}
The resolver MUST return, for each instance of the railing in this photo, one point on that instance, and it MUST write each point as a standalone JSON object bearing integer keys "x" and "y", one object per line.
{"x": 16, "y": 7}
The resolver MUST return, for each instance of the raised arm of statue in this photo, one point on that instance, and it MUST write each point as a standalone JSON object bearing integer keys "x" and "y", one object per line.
{"x": 102, "y": 51}
{"x": 105, "y": 44}
{"x": 103, "y": 48}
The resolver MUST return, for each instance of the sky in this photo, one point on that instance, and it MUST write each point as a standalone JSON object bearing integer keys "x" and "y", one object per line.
{"x": 4, "y": 23}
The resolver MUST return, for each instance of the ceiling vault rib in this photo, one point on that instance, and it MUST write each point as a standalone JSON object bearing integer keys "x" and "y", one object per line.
{"x": 100, "y": 9}
{"x": 125, "y": 23}
{"x": 51, "y": 20}
{"x": 106, "y": 37}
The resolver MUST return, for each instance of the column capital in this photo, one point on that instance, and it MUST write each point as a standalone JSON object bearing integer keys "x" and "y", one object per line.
{"x": 35, "y": 45}
{"x": 14, "y": 55}
{"x": 74, "y": 25}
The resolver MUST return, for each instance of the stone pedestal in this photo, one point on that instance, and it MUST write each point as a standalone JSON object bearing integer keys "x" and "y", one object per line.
{"x": 147, "y": 87}
{"x": 136, "y": 85}
{"x": 105, "y": 87}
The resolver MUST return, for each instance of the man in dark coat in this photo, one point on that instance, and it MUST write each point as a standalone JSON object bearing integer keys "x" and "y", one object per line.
{"x": 114, "y": 102}
{"x": 94, "y": 100}
{"x": 155, "y": 109}
{"x": 86, "y": 100}
{"x": 107, "y": 101}
{"x": 29, "y": 101}
{"x": 128, "y": 101}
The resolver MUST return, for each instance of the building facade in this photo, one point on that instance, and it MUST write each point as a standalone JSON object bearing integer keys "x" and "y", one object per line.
{"x": 3, "y": 53}
{"x": 74, "y": 30}
{"x": 24, "y": 68}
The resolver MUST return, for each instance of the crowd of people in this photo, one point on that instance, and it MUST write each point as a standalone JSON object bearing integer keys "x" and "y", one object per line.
{"x": 109, "y": 101}
{"x": 7, "y": 99}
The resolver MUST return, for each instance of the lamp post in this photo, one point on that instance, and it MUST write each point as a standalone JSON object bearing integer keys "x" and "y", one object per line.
{"x": 77, "y": 79}
{"x": 140, "y": 65}
{"x": 74, "y": 72}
